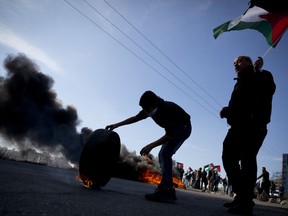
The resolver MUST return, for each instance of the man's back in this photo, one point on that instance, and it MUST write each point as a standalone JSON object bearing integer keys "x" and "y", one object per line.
{"x": 264, "y": 95}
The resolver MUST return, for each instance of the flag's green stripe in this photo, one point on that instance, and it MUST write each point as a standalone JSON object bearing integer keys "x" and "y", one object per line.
{"x": 220, "y": 29}
{"x": 264, "y": 27}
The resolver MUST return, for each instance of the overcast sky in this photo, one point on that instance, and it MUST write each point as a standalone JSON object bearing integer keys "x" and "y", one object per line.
{"x": 103, "y": 55}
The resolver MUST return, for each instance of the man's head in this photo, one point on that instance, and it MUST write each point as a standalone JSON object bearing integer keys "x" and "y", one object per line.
{"x": 148, "y": 102}
{"x": 258, "y": 63}
{"x": 242, "y": 63}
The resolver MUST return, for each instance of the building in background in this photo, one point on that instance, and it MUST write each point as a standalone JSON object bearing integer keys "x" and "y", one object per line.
{"x": 285, "y": 174}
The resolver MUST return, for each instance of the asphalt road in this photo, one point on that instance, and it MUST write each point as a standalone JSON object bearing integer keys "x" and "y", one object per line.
{"x": 32, "y": 189}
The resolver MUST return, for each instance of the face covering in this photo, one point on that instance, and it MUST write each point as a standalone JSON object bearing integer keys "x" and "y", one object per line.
{"x": 152, "y": 112}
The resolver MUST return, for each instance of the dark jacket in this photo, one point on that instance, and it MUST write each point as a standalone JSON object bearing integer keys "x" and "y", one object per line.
{"x": 251, "y": 99}
{"x": 241, "y": 102}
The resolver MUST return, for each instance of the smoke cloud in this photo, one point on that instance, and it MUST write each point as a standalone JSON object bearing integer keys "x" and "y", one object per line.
{"x": 130, "y": 165}
{"x": 32, "y": 116}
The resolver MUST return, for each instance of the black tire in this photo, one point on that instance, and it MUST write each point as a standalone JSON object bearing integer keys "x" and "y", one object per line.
{"x": 99, "y": 157}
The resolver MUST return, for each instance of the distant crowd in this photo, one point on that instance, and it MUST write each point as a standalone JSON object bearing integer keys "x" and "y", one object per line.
{"x": 204, "y": 179}
{"x": 209, "y": 179}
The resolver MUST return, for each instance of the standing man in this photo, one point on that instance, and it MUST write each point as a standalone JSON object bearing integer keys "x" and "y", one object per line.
{"x": 266, "y": 89}
{"x": 204, "y": 180}
{"x": 248, "y": 114}
{"x": 265, "y": 185}
{"x": 177, "y": 125}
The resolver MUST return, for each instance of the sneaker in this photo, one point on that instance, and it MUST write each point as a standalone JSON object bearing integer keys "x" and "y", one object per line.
{"x": 162, "y": 195}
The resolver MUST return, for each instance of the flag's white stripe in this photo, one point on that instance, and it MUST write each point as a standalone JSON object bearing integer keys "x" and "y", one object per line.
{"x": 252, "y": 15}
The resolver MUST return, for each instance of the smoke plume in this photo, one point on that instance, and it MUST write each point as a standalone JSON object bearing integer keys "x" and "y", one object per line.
{"x": 130, "y": 165}
{"x": 32, "y": 116}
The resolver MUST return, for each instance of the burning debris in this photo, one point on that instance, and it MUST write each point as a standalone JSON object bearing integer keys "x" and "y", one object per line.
{"x": 137, "y": 168}
{"x": 155, "y": 178}
{"x": 140, "y": 168}
{"x": 101, "y": 158}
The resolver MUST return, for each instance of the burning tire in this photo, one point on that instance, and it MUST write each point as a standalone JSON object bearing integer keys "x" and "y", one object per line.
{"x": 99, "y": 158}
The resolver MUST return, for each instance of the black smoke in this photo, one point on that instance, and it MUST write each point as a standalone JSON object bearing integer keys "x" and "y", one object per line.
{"x": 32, "y": 116}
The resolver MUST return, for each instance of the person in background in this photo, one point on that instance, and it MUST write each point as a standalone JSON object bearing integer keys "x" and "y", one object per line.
{"x": 188, "y": 177}
{"x": 211, "y": 178}
{"x": 281, "y": 192}
{"x": 217, "y": 181}
{"x": 177, "y": 125}
{"x": 180, "y": 171}
{"x": 204, "y": 180}
{"x": 265, "y": 90}
{"x": 198, "y": 178}
{"x": 248, "y": 114}
{"x": 265, "y": 184}
{"x": 225, "y": 183}
{"x": 272, "y": 189}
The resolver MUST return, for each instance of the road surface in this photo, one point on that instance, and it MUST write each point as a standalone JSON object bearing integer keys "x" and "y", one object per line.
{"x": 33, "y": 189}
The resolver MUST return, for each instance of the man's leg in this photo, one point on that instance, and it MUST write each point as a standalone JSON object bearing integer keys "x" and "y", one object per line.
{"x": 252, "y": 140}
{"x": 165, "y": 190}
{"x": 255, "y": 138}
{"x": 230, "y": 159}
{"x": 167, "y": 151}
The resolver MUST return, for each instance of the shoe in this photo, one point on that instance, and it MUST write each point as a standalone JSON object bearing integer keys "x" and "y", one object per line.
{"x": 162, "y": 194}
{"x": 241, "y": 210}
{"x": 173, "y": 194}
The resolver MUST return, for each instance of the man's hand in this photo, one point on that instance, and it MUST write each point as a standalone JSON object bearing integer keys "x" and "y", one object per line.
{"x": 111, "y": 127}
{"x": 146, "y": 150}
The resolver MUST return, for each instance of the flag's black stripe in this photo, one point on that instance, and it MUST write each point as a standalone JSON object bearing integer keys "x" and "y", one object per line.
{"x": 272, "y": 6}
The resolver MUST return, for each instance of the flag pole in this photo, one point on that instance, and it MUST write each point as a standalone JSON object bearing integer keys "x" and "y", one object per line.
{"x": 275, "y": 42}
{"x": 267, "y": 51}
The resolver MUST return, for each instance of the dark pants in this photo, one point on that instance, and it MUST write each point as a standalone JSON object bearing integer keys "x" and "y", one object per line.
{"x": 239, "y": 156}
{"x": 168, "y": 149}
{"x": 265, "y": 186}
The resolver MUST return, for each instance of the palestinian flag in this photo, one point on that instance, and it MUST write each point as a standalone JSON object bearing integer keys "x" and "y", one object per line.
{"x": 209, "y": 166}
{"x": 206, "y": 166}
{"x": 217, "y": 168}
{"x": 180, "y": 165}
{"x": 270, "y": 17}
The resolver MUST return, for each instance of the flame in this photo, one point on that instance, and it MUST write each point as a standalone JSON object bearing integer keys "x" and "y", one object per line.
{"x": 85, "y": 181}
{"x": 178, "y": 183}
{"x": 155, "y": 178}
